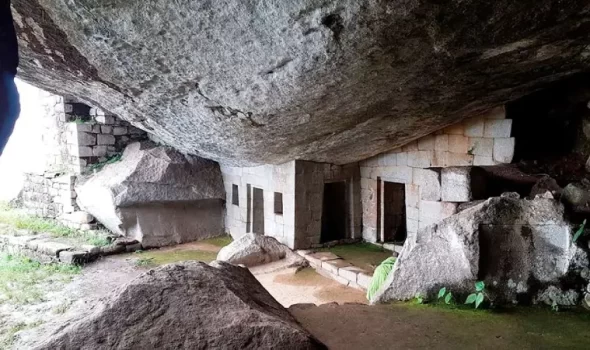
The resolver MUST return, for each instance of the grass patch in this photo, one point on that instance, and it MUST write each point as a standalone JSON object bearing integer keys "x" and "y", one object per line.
{"x": 221, "y": 241}
{"x": 163, "y": 257}
{"x": 9, "y": 337}
{"x": 364, "y": 255}
{"x": 21, "y": 278}
{"x": 37, "y": 225}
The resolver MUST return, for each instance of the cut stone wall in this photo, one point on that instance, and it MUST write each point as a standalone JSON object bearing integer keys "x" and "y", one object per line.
{"x": 436, "y": 170}
{"x": 301, "y": 184}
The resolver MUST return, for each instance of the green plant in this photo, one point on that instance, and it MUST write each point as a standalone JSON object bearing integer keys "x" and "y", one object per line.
{"x": 554, "y": 306}
{"x": 478, "y": 297}
{"x": 580, "y": 231}
{"x": 144, "y": 261}
{"x": 418, "y": 299}
{"x": 448, "y": 297}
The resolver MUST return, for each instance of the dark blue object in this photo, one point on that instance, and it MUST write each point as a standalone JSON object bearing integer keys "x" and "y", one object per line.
{"x": 9, "y": 100}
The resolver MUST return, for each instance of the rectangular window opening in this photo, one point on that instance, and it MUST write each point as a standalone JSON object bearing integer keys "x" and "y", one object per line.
{"x": 278, "y": 203}
{"x": 235, "y": 197}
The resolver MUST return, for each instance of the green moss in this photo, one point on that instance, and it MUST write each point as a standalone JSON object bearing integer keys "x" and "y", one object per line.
{"x": 163, "y": 257}
{"x": 364, "y": 255}
{"x": 221, "y": 241}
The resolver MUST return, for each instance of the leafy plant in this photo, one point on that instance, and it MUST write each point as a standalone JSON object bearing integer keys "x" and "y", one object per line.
{"x": 580, "y": 231}
{"x": 418, "y": 299}
{"x": 448, "y": 297}
{"x": 478, "y": 297}
{"x": 554, "y": 306}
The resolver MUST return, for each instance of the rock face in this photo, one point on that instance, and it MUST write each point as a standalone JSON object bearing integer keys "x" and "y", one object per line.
{"x": 157, "y": 196}
{"x": 336, "y": 81}
{"x": 516, "y": 246}
{"x": 190, "y": 305}
{"x": 252, "y": 249}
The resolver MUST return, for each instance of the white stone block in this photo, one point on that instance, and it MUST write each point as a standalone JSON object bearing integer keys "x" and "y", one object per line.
{"x": 429, "y": 182}
{"x": 402, "y": 158}
{"x": 481, "y": 146}
{"x": 474, "y": 127}
{"x": 412, "y": 195}
{"x": 103, "y": 139}
{"x": 412, "y": 213}
{"x": 432, "y": 212}
{"x": 400, "y": 174}
{"x": 504, "y": 149}
{"x": 457, "y": 159}
{"x": 105, "y": 119}
{"x": 86, "y": 139}
{"x": 462, "y": 184}
{"x": 498, "y": 128}
{"x": 426, "y": 143}
{"x": 458, "y": 144}
{"x": 412, "y": 225}
{"x": 441, "y": 143}
{"x": 483, "y": 161}
{"x": 420, "y": 159}
{"x": 440, "y": 159}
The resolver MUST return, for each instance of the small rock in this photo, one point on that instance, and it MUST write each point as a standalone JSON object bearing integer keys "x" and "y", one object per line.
{"x": 575, "y": 195}
{"x": 512, "y": 195}
{"x": 546, "y": 195}
{"x": 133, "y": 247}
{"x": 560, "y": 297}
{"x": 252, "y": 249}
{"x": 73, "y": 257}
{"x": 544, "y": 185}
{"x": 125, "y": 241}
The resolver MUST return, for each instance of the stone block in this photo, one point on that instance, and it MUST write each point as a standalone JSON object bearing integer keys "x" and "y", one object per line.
{"x": 399, "y": 174}
{"x": 433, "y": 212}
{"x": 441, "y": 143}
{"x": 496, "y": 113}
{"x": 504, "y": 149}
{"x": 474, "y": 127}
{"x": 119, "y": 130}
{"x": 106, "y": 129}
{"x": 363, "y": 280}
{"x": 412, "y": 213}
{"x": 365, "y": 172}
{"x": 420, "y": 159}
{"x": 429, "y": 182}
{"x": 334, "y": 265}
{"x": 410, "y": 147}
{"x": 483, "y": 161}
{"x": 456, "y": 129}
{"x": 99, "y": 151}
{"x": 73, "y": 257}
{"x": 479, "y": 146}
{"x": 411, "y": 225}
{"x": 457, "y": 159}
{"x": 458, "y": 144}
{"x": 84, "y": 151}
{"x": 103, "y": 139}
{"x": 402, "y": 158}
{"x": 83, "y": 127}
{"x": 350, "y": 273}
{"x": 412, "y": 195}
{"x": 426, "y": 143}
{"x": 462, "y": 184}
{"x": 96, "y": 129}
{"x": 440, "y": 159}
{"x": 86, "y": 139}
{"x": 79, "y": 217}
{"x": 105, "y": 119}
{"x": 498, "y": 128}
{"x": 52, "y": 248}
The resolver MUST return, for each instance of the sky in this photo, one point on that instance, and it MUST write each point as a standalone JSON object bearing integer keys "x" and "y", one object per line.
{"x": 24, "y": 146}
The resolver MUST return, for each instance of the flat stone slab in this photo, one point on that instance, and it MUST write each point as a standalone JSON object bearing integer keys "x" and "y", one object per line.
{"x": 334, "y": 265}
{"x": 324, "y": 256}
{"x": 52, "y": 248}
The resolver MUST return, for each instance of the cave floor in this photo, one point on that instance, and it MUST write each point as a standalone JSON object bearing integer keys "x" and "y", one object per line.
{"x": 342, "y": 320}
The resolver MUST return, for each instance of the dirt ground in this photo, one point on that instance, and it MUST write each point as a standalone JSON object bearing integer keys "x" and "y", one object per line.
{"x": 350, "y": 325}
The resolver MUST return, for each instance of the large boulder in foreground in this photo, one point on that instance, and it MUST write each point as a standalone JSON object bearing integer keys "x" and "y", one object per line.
{"x": 157, "y": 196}
{"x": 252, "y": 249}
{"x": 190, "y": 305}
{"x": 518, "y": 247}
{"x": 331, "y": 81}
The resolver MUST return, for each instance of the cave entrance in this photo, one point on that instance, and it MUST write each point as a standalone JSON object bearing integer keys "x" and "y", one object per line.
{"x": 394, "y": 212}
{"x": 257, "y": 211}
{"x": 334, "y": 212}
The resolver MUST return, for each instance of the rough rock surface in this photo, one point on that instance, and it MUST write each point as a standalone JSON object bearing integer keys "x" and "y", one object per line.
{"x": 335, "y": 80}
{"x": 157, "y": 196}
{"x": 252, "y": 249}
{"x": 514, "y": 245}
{"x": 190, "y": 305}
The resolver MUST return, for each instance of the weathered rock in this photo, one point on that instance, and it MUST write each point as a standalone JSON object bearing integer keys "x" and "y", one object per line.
{"x": 190, "y": 305}
{"x": 576, "y": 195}
{"x": 545, "y": 184}
{"x": 336, "y": 81}
{"x": 507, "y": 242}
{"x": 252, "y": 249}
{"x": 157, "y": 196}
{"x": 554, "y": 295}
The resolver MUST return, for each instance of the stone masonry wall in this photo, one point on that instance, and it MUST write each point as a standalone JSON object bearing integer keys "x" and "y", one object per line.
{"x": 271, "y": 179}
{"x": 432, "y": 193}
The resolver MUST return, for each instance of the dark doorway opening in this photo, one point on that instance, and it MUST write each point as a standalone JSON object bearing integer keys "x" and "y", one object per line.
{"x": 257, "y": 211}
{"x": 334, "y": 212}
{"x": 394, "y": 212}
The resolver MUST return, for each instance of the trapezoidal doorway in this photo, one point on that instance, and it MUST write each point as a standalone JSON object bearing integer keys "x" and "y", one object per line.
{"x": 394, "y": 212}
{"x": 334, "y": 212}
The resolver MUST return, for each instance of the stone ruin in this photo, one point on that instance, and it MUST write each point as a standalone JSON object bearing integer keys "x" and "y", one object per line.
{"x": 333, "y": 124}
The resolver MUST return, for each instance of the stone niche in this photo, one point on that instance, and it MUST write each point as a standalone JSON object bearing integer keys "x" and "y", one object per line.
{"x": 157, "y": 196}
